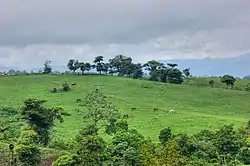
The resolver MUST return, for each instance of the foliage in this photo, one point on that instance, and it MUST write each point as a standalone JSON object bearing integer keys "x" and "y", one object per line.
{"x": 228, "y": 80}
{"x": 47, "y": 67}
{"x": 91, "y": 150}
{"x": 125, "y": 148}
{"x": 211, "y": 82}
{"x": 115, "y": 126}
{"x": 67, "y": 160}
{"x": 100, "y": 111}
{"x": 54, "y": 90}
{"x": 9, "y": 123}
{"x": 187, "y": 72}
{"x": 26, "y": 150}
{"x": 171, "y": 155}
{"x": 65, "y": 87}
{"x": 41, "y": 119}
{"x": 247, "y": 87}
{"x": 165, "y": 135}
{"x": 244, "y": 155}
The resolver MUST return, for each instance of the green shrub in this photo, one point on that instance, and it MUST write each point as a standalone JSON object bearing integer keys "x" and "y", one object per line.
{"x": 247, "y": 87}
{"x": 54, "y": 90}
{"x": 244, "y": 156}
{"x": 67, "y": 160}
{"x": 58, "y": 143}
{"x": 65, "y": 87}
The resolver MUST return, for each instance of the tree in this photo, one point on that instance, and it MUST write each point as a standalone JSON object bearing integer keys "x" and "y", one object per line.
{"x": 70, "y": 65}
{"x": 67, "y": 160}
{"x": 41, "y": 119}
{"x": 83, "y": 67}
{"x": 186, "y": 72}
{"x": 137, "y": 70}
{"x": 165, "y": 135}
{"x": 228, "y": 80}
{"x": 100, "y": 111}
{"x": 153, "y": 65}
{"x": 47, "y": 67}
{"x": 88, "y": 66}
{"x": 98, "y": 64}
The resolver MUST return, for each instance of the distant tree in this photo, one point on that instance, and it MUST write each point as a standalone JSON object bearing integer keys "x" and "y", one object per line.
{"x": 121, "y": 64}
{"x": 77, "y": 65}
{"x": 211, "y": 82}
{"x": 47, "y": 67}
{"x": 99, "y": 64}
{"x": 153, "y": 65}
{"x": 137, "y": 70}
{"x": 83, "y": 67}
{"x": 88, "y": 66}
{"x": 105, "y": 68}
{"x": 228, "y": 80}
{"x": 172, "y": 65}
{"x": 70, "y": 65}
{"x": 187, "y": 72}
{"x": 41, "y": 119}
{"x": 247, "y": 87}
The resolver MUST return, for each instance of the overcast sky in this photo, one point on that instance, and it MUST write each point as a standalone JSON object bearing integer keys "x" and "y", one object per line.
{"x": 32, "y": 31}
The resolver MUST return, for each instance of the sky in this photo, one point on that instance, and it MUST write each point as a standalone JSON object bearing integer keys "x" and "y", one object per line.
{"x": 58, "y": 30}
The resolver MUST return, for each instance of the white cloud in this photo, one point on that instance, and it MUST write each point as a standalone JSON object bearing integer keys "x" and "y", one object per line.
{"x": 33, "y": 31}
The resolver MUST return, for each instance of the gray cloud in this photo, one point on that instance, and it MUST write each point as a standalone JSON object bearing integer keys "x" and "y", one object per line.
{"x": 159, "y": 29}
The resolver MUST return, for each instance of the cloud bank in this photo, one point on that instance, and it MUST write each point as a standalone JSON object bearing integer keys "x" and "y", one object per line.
{"x": 33, "y": 31}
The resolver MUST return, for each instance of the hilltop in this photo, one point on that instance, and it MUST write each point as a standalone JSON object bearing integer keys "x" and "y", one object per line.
{"x": 195, "y": 108}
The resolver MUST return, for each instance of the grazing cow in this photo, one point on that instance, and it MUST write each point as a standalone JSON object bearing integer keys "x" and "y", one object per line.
{"x": 133, "y": 109}
{"x": 156, "y": 109}
{"x": 171, "y": 111}
{"x": 125, "y": 116}
{"x": 73, "y": 84}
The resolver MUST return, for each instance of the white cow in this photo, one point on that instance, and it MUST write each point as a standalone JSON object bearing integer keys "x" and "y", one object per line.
{"x": 171, "y": 111}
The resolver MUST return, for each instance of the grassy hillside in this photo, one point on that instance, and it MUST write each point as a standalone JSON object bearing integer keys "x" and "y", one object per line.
{"x": 195, "y": 108}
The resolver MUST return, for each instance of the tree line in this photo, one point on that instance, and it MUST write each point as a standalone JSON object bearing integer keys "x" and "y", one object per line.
{"x": 123, "y": 66}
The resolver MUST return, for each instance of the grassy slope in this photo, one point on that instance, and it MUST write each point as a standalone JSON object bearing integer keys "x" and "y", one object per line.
{"x": 196, "y": 108}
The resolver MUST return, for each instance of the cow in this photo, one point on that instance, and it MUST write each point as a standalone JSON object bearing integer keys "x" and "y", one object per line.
{"x": 125, "y": 116}
{"x": 133, "y": 109}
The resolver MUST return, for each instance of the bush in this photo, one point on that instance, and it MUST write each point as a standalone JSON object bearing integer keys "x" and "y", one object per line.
{"x": 67, "y": 160}
{"x": 54, "y": 90}
{"x": 247, "y": 87}
{"x": 66, "y": 87}
{"x": 244, "y": 156}
{"x": 61, "y": 144}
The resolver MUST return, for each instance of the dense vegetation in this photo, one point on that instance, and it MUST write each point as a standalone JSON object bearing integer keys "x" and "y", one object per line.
{"x": 108, "y": 120}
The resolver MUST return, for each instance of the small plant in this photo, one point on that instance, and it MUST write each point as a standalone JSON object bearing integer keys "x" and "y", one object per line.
{"x": 247, "y": 87}
{"x": 78, "y": 100}
{"x": 211, "y": 83}
{"x": 65, "y": 87}
{"x": 54, "y": 90}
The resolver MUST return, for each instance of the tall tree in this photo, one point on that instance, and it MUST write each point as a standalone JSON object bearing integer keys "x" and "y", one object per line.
{"x": 41, "y": 119}
{"x": 47, "y": 67}
{"x": 99, "y": 64}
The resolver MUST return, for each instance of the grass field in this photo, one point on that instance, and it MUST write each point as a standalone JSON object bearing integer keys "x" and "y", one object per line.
{"x": 195, "y": 108}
